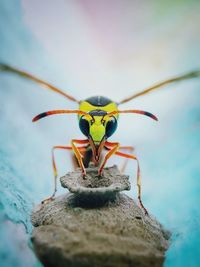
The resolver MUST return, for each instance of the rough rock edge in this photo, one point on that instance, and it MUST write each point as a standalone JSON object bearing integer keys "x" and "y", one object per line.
{"x": 112, "y": 181}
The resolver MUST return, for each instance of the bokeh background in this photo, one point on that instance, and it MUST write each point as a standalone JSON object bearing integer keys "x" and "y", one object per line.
{"x": 110, "y": 48}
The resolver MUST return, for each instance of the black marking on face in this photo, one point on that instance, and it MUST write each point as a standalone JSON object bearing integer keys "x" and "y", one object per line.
{"x": 99, "y": 101}
{"x": 98, "y": 112}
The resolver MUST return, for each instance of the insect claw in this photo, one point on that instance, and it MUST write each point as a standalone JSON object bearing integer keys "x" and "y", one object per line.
{"x": 100, "y": 173}
{"x": 146, "y": 212}
{"x": 142, "y": 206}
{"x": 84, "y": 175}
{"x": 47, "y": 200}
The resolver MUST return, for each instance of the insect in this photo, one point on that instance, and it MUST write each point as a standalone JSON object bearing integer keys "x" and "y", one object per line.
{"x": 98, "y": 119}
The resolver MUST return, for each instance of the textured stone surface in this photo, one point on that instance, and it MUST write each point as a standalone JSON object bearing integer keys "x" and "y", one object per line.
{"x": 95, "y": 188}
{"x": 71, "y": 231}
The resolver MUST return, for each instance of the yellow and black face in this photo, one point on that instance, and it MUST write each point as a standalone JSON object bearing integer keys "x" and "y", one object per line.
{"x": 98, "y": 126}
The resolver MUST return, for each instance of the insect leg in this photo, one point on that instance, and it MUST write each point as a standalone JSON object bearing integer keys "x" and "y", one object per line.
{"x": 55, "y": 172}
{"x": 108, "y": 155}
{"x": 55, "y": 169}
{"x": 74, "y": 160}
{"x": 129, "y": 148}
{"x": 138, "y": 177}
{"x": 78, "y": 155}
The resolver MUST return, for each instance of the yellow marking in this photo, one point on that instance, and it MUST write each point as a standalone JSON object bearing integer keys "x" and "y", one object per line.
{"x": 87, "y": 107}
{"x": 97, "y": 127}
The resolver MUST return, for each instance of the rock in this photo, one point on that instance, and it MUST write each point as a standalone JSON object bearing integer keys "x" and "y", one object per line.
{"x": 72, "y": 231}
{"x": 95, "y": 190}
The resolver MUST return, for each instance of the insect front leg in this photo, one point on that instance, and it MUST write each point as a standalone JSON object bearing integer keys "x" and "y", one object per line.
{"x": 129, "y": 148}
{"x": 78, "y": 154}
{"x": 107, "y": 156}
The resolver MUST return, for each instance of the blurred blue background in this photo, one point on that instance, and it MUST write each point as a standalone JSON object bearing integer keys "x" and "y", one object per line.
{"x": 110, "y": 48}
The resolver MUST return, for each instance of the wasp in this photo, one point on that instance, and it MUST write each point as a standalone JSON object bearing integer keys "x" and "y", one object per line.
{"x": 98, "y": 119}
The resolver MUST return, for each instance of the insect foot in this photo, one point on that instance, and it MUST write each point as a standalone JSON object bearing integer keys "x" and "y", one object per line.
{"x": 97, "y": 225}
{"x": 47, "y": 200}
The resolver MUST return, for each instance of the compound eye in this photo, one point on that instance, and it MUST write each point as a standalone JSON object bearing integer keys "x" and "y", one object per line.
{"x": 84, "y": 126}
{"x": 111, "y": 126}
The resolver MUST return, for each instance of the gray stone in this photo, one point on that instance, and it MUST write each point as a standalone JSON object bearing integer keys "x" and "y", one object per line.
{"x": 94, "y": 189}
{"x": 74, "y": 230}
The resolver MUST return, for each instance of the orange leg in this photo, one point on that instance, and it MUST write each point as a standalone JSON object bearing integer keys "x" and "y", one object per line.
{"x": 138, "y": 177}
{"x": 108, "y": 155}
{"x": 55, "y": 168}
{"x": 129, "y": 148}
{"x": 138, "y": 169}
{"x": 78, "y": 155}
{"x": 74, "y": 159}
{"x": 80, "y": 148}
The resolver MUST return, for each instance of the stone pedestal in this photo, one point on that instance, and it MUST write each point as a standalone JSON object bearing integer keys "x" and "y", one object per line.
{"x": 97, "y": 226}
